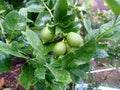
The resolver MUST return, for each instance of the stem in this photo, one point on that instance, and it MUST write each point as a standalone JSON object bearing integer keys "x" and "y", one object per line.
{"x": 3, "y": 33}
{"x": 47, "y": 8}
{"x": 72, "y": 86}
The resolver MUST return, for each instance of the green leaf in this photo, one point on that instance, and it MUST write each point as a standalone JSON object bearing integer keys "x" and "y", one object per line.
{"x": 49, "y": 47}
{"x": 34, "y": 6}
{"x": 71, "y": 2}
{"x": 67, "y": 19}
{"x": 80, "y": 56}
{"x": 42, "y": 19}
{"x": 100, "y": 53}
{"x": 13, "y": 24}
{"x": 86, "y": 67}
{"x": 27, "y": 78}
{"x": 11, "y": 20}
{"x": 108, "y": 30}
{"x": 40, "y": 73}
{"x": 8, "y": 49}
{"x": 91, "y": 35}
{"x": 36, "y": 44}
{"x": 67, "y": 59}
{"x": 2, "y": 5}
{"x": 114, "y": 6}
{"x": 60, "y": 75}
{"x": 23, "y": 12}
{"x": 117, "y": 49}
{"x": 87, "y": 24}
{"x": 50, "y": 3}
{"x": 40, "y": 85}
{"x": 77, "y": 74}
{"x": 102, "y": 46}
{"x": 34, "y": 41}
{"x": 73, "y": 26}
{"x": 5, "y": 62}
{"x": 85, "y": 53}
{"x": 118, "y": 20}
{"x": 60, "y": 11}
{"x": 58, "y": 86}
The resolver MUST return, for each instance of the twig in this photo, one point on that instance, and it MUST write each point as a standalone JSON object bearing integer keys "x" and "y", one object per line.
{"x": 47, "y": 8}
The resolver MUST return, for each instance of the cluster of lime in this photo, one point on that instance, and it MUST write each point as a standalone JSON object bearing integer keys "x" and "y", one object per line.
{"x": 70, "y": 41}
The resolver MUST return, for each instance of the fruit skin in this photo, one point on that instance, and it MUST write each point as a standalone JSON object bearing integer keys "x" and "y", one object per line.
{"x": 69, "y": 48}
{"x": 74, "y": 39}
{"x": 46, "y": 35}
{"x": 59, "y": 49}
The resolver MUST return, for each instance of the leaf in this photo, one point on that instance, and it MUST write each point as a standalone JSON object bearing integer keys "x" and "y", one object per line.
{"x": 59, "y": 11}
{"x": 23, "y": 12}
{"x": 108, "y": 30}
{"x": 11, "y": 20}
{"x": 80, "y": 56}
{"x": 75, "y": 79}
{"x": 40, "y": 73}
{"x": 102, "y": 46}
{"x": 58, "y": 86}
{"x": 67, "y": 19}
{"x": 42, "y": 19}
{"x": 34, "y": 6}
{"x": 67, "y": 59}
{"x": 60, "y": 75}
{"x": 13, "y": 24}
{"x": 77, "y": 74}
{"x": 48, "y": 47}
{"x": 2, "y": 5}
{"x": 100, "y": 53}
{"x": 114, "y": 6}
{"x": 86, "y": 67}
{"x": 50, "y": 3}
{"x": 34, "y": 41}
{"x": 36, "y": 44}
{"x": 73, "y": 26}
{"x": 85, "y": 53}
{"x": 117, "y": 49}
{"x": 5, "y": 62}
{"x": 91, "y": 35}
{"x": 87, "y": 24}
{"x": 8, "y": 49}
{"x": 118, "y": 20}
{"x": 40, "y": 85}
{"x": 27, "y": 78}
{"x": 71, "y": 2}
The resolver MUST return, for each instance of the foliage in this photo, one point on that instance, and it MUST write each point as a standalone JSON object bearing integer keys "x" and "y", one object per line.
{"x": 114, "y": 5}
{"x": 4, "y": 62}
{"x": 20, "y": 36}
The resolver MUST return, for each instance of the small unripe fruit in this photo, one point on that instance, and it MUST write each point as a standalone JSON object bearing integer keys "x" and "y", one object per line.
{"x": 74, "y": 39}
{"x": 69, "y": 48}
{"x": 58, "y": 30}
{"x": 59, "y": 49}
{"x": 46, "y": 35}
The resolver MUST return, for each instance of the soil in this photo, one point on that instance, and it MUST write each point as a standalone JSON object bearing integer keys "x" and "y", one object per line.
{"x": 9, "y": 78}
{"x": 106, "y": 77}
{"x": 110, "y": 78}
